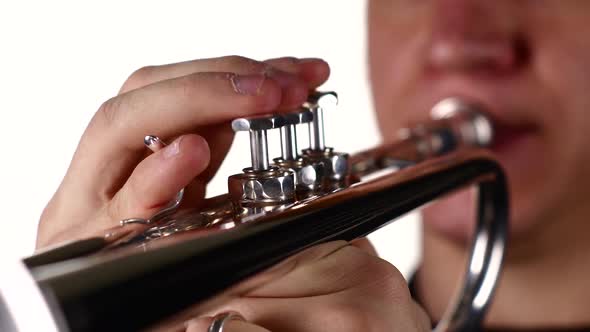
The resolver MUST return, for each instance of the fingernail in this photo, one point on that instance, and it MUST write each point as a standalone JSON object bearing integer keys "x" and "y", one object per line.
{"x": 172, "y": 149}
{"x": 247, "y": 84}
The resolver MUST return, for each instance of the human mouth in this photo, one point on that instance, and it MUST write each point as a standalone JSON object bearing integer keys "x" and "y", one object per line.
{"x": 507, "y": 136}
{"x": 517, "y": 136}
{"x": 519, "y": 148}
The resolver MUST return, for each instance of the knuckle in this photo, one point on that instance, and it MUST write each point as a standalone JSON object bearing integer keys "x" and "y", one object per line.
{"x": 390, "y": 282}
{"x": 107, "y": 113}
{"x": 138, "y": 78}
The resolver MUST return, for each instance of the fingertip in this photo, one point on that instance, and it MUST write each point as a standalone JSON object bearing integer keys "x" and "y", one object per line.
{"x": 284, "y": 85}
{"x": 159, "y": 177}
{"x": 294, "y": 89}
{"x": 295, "y": 96}
{"x": 314, "y": 71}
{"x": 197, "y": 151}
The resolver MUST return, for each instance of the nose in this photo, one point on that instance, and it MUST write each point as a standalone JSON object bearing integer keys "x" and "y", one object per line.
{"x": 482, "y": 36}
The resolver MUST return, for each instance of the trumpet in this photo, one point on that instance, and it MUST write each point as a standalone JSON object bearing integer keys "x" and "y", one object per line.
{"x": 274, "y": 209}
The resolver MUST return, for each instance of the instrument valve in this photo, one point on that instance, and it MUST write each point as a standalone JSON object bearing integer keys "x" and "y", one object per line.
{"x": 308, "y": 173}
{"x": 336, "y": 164}
{"x": 261, "y": 184}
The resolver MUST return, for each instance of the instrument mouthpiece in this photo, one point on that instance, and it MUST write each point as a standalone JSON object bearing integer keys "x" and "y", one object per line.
{"x": 475, "y": 125}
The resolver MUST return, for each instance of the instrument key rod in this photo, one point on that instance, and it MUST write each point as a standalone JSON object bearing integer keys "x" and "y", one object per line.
{"x": 289, "y": 142}
{"x": 316, "y": 130}
{"x": 259, "y": 150}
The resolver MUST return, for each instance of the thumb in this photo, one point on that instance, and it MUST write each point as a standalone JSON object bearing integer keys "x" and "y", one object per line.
{"x": 160, "y": 176}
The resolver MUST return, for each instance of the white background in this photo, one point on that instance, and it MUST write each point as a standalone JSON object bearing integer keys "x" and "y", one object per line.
{"x": 59, "y": 60}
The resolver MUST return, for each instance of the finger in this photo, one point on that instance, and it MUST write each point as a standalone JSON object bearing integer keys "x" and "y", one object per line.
{"x": 159, "y": 177}
{"x": 286, "y": 79}
{"x": 265, "y": 283}
{"x": 113, "y": 143}
{"x": 168, "y": 107}
{"x": 202, "y": 325}
{"x": 365, "y": 245}
{"x": 421, "y": 317}
{"x": 151, "y": 186}
{"x": 312, "y": 70}
{"x": 323, "y": 269}
{"x": 343, "y": 268}
{"x": 221, "y": 137}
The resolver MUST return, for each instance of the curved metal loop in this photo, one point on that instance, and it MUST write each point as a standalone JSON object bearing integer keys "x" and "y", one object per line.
{"x": 467, "y": 311}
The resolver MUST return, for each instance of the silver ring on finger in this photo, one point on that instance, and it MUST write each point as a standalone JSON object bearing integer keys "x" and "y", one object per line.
{"x": 221, "y": 319}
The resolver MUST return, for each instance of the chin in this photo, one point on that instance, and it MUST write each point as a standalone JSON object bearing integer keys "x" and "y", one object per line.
{"x": 454, "y": 218}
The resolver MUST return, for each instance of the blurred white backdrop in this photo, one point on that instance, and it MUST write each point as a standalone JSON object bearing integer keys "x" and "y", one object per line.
{"x": 59, "y": 60}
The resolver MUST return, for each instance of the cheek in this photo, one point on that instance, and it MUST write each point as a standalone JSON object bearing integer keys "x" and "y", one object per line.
{"x": 547, "y": 191}
{"x": 396, "y": 56}
{"x": 563, "y": 65}
{"x": 565, "y": 69}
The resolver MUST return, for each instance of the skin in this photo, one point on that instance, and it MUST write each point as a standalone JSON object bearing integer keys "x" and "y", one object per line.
{"x": 338, "y": 285}
{"x": 527, "y": 62}
{"x": 524, "y": 60}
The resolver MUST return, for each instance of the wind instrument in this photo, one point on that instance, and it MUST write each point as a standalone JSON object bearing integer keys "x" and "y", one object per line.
{"x": 147, "y": 270}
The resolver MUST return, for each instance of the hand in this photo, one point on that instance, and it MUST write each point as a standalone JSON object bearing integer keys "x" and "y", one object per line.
{"x": 336, "y": 286}
{"x": 188, "y": 104}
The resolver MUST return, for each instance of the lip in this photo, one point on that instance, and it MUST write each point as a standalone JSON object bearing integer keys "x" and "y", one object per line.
{"x": 501, "y": 98}
{"x": 518, "y": 108}
{"x": 512, "y": 116}
{"x": 518, "y": 126}
{"x": 507, "y": 135}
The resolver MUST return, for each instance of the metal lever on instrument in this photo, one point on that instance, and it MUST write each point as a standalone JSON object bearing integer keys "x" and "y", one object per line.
{"x": 335, "y": 163}
{"x": 289, "y": 150}
{"x": 316, "y": 103}
{"x": 309, "y": 173}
